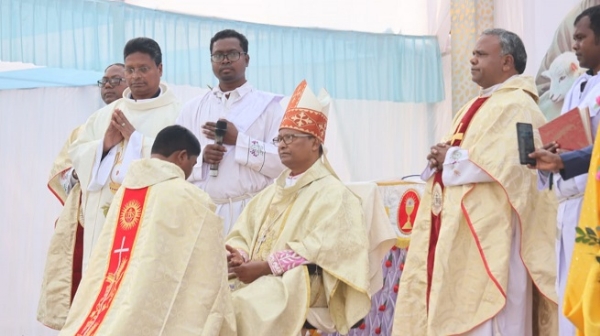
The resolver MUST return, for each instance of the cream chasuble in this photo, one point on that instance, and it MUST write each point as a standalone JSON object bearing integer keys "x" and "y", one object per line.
{"x": 159, "y": 267}
{"x": 100, "y": 178}
{"x": 471, "y": 269}
{"x": 62, "y": 272}
{"x": 321, "y": 220}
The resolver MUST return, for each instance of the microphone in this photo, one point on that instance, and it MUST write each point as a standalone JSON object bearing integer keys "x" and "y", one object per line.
{"x": 219, "y": 134}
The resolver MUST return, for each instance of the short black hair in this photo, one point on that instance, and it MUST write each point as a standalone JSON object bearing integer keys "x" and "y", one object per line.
{"x": 227, "y": 33}
{"x": 117, "y": 64}
{"x": 593, "y": 13}
{"x": 175, "y": 138}
{"x": 143, "y": 45}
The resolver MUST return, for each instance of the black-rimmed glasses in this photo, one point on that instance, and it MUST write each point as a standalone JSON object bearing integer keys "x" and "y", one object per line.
{"x": 232, "y": 56}
{"x": 289, "y": 138}
{"x": 112, "y": 81}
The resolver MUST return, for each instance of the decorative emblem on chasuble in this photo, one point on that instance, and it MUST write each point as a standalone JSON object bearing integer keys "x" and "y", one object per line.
{"x": 436, "y": 199}
{"x": 130, "y": 215}
{"x": 124, "y": 237}
{"x": 407, "y": 210}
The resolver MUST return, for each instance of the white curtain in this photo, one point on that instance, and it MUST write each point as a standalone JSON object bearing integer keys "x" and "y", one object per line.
{"x": 35, "y": 124}
{"x": 374, "y": 141}
{"x": 431, "y": 17}
{"x": 535, "y": 21}
{"x": 375, "y": 16}
{"x": 88, "y": 35}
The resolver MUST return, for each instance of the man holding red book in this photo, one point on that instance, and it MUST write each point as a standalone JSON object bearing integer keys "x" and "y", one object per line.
{"x": 586, "y": 44}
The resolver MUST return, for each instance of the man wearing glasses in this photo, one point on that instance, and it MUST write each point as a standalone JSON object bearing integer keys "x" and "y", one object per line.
{"x": 308, "y": 217}
{"x": 113, "y": 83}
{"x": 120, "y": 133}
{"x": 64, "y": 184}
{"x": 108, "y": 142}
{"x": 247, "y": 160}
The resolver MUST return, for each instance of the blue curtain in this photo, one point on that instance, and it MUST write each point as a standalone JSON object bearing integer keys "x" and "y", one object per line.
{"x": 88, "y": 35}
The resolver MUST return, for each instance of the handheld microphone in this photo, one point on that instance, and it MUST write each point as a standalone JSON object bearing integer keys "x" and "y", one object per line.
{"x": 219, "y": 134}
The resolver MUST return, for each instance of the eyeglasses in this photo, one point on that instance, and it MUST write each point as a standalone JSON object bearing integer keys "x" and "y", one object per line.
{"x": 112, "y": 81}
{"x": 289, "y": 138}
{"x": 232, "y": 56}
{"x": 141, "y": 70}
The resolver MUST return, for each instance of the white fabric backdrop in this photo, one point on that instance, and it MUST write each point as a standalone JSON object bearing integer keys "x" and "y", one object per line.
{"x": 35, "y": 124}
{"x": 406, "y": 17}
{"x": 535, "y": 21}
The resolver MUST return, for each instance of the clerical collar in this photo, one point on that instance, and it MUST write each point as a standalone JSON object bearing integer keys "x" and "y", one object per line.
{"x": 233, "y": 94}
{"x": 290, "y": 181}
{"x": 158, "y": 93}
{"x": 489, "y": 91}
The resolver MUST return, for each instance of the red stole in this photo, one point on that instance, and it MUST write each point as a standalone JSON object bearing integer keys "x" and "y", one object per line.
{"x": 128, "y": 223}
{"x": 77, "y": 261}
{"x": 438, "y": 190}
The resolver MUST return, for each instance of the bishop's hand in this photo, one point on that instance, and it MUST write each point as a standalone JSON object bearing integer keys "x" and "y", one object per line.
{"x": 234, "y": 258}
{"x": 252, "y": 270}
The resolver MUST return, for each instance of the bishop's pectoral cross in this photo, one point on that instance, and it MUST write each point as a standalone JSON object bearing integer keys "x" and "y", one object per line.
{"x": 120, "y": 251}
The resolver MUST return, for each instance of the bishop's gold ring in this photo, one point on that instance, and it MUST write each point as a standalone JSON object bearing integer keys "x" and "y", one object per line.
{"x": 123, "y": 124}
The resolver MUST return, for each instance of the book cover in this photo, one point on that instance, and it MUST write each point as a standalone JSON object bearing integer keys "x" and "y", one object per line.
{"x": 571, "y": 130}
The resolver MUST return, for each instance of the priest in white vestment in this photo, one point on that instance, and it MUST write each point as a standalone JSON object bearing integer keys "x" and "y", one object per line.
{"x": 482, "y": 244}
{"x": 159, "y": 267}
{"x": 64, "y": 259}
{"x": 247, "y": 160}
{"x": 121, "y": 132}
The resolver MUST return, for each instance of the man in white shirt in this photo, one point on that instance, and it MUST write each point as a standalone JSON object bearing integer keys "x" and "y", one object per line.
{"x": 247, "y": 160}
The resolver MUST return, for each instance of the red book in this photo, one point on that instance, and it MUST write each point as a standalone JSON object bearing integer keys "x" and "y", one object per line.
{"x": 571, "y": 131}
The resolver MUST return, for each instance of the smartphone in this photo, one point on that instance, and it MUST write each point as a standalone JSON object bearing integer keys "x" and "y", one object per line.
{"x": 526, "y": 144}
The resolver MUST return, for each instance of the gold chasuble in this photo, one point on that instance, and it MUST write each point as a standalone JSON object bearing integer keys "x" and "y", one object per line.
{"x": 470, "y": 272}
{"x": 63, "y": 268}
{"x": 159, "y": 267}
{"x": 438, "y": 189}
{"x": 321, "y": 220}
{"x": 148, "y": 117}
{"x": 582, "y": 294}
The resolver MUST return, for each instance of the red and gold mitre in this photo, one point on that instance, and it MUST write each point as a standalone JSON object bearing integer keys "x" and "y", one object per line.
{"x": 306, "y": 112}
